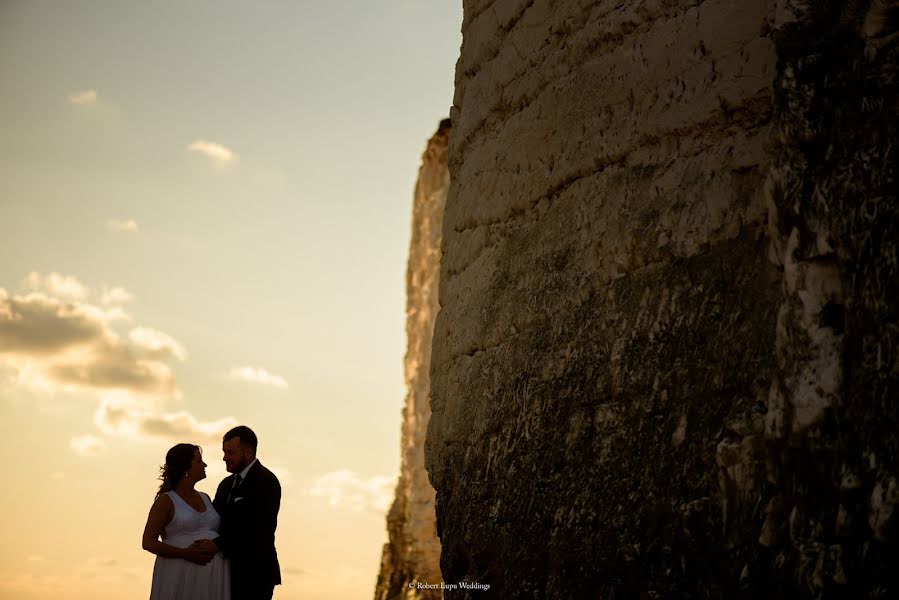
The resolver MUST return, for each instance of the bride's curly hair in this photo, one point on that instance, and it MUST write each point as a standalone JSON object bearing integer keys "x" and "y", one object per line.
{"x": 177, "y": 462}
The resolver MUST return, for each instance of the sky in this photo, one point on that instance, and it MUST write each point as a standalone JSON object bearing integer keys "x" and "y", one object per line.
{"x": 206, "y": 212}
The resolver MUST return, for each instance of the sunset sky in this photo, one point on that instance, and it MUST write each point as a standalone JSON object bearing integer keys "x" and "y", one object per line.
{"x": 205, "y": 219}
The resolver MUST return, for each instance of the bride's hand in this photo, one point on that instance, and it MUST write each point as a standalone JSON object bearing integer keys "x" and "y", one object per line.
{"x": 207, "y": 545}
{"x": 200, "y": 553}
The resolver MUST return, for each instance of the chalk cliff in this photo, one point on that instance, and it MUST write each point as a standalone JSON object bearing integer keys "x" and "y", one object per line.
{"x": 665, "y": 363}
{"x": 413, "y": 552}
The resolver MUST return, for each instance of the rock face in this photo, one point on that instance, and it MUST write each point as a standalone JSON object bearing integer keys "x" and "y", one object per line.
{"x": 665, "y": 364}
{"x": 413, "y": 552}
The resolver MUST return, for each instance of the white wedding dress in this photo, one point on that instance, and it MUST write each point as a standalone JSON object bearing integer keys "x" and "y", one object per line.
{"x": 179, "y": 579}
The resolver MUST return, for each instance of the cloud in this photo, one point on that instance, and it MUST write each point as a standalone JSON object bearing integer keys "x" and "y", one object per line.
{"x": 53, "y": 343}
{"x": 257, "y": 375}
{"x": 87, "y": 445}
{"x": 282, "y": 474}
{"x": 345, "y": 489}
{"x": 67, "y": 581}
{"x": 102, "y": 561}
{"x": 116, "y": 295}
{"x": 215, "y": 151}
{"x": 124, "y": 225}
{"x": 83, "y": 98}
{"x": 123, "y": 415}
{"x": 56, "y": 344}
{"x": 58, "y": 285}
{"x": 38, "y": 325}
{"x": 158, "y": 345}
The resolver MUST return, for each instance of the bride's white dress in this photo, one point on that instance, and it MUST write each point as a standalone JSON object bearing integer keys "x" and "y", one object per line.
{"x": 179, "y": 579}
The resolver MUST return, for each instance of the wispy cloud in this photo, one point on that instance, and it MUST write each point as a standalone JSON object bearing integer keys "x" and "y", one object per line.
{"x": 102, "y": 561}
{"x": 83, "y": 97}
{"x": 87, "y": 445}
{"x": 257, "y": 375}
{"x": 282, "y": 473}
{"x": 123, "y": 225}
{"x": 67, "y": 581}
{"x": 123, "y": 415}
{"x": 345, "y": 489}
{"x": 217, "y": 152}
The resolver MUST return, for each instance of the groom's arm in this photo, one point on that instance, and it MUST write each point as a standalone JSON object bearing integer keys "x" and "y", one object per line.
{"x": 265, "y": 514}
{"x": 220, "y": 504}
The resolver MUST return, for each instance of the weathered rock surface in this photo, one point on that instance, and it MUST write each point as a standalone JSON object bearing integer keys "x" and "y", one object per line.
{"x": 413, "y": 552}
{"x": 832, "y": 423}
{"x": 665, "y": 363}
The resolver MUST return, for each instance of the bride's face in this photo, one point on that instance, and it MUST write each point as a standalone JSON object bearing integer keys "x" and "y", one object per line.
{"x": 197, "y": 467}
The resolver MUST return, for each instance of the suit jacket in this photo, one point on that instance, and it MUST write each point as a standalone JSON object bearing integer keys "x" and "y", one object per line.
{"x": 247, "y": 530}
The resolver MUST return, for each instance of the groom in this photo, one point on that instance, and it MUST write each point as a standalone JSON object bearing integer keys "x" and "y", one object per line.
{"x": 248, "y": 502}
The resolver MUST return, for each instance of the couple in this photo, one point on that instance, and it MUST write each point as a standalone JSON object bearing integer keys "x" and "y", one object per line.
{"x": 215, "y": 550}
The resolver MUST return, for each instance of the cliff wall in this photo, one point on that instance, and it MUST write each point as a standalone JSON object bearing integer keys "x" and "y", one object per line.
{"x": 413, "y": 552}
{"x": 665, "y": 360}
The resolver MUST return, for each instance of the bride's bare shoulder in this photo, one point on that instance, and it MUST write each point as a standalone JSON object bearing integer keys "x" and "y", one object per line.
{"x": 163, "y": 504}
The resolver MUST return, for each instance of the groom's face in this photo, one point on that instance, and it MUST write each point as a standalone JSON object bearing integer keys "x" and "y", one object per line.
{"x": 236, "y": 457}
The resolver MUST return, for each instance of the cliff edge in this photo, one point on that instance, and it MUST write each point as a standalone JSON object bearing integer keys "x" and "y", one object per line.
{"x": 413, "y": 552}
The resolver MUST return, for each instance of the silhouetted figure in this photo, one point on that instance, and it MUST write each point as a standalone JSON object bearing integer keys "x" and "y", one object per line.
{"x": 248, "y": 501}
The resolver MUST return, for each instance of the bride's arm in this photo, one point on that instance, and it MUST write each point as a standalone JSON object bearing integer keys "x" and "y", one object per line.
{"x": 161, "y": 514}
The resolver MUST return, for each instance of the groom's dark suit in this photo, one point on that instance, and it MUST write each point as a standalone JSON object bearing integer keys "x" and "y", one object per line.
{"x": 247, "y": 532}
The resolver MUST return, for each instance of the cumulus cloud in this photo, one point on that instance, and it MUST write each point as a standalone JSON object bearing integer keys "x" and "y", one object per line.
{"x": 115, "y": 295}
{"x": 215, "y": 151}
{"x": 124, "y": 225}
{"x": 346, "y": 489}
{"x": 83, "y": 97}
{"x": 53, "y": 342}
{"x": 157, "y": 344}
{"x": 58, "y": 285}
{"x": 122, "y": 415}
{"x": 87, "y": 445}
{"x": 257, "y": 375}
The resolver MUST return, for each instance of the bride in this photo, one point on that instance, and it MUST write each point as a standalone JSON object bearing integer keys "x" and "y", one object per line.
{"x": 181, "y": 515}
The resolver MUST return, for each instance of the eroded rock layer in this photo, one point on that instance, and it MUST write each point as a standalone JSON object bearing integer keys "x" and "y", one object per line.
{"x": 413, "y": 553}
{"x": 664, "y": 334}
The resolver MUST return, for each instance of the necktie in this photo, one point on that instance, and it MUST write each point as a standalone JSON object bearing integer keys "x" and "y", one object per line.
{"x": 237, "y": 481}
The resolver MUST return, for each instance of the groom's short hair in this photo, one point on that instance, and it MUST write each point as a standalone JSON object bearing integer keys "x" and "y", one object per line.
{"x": 246, "y": 435}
